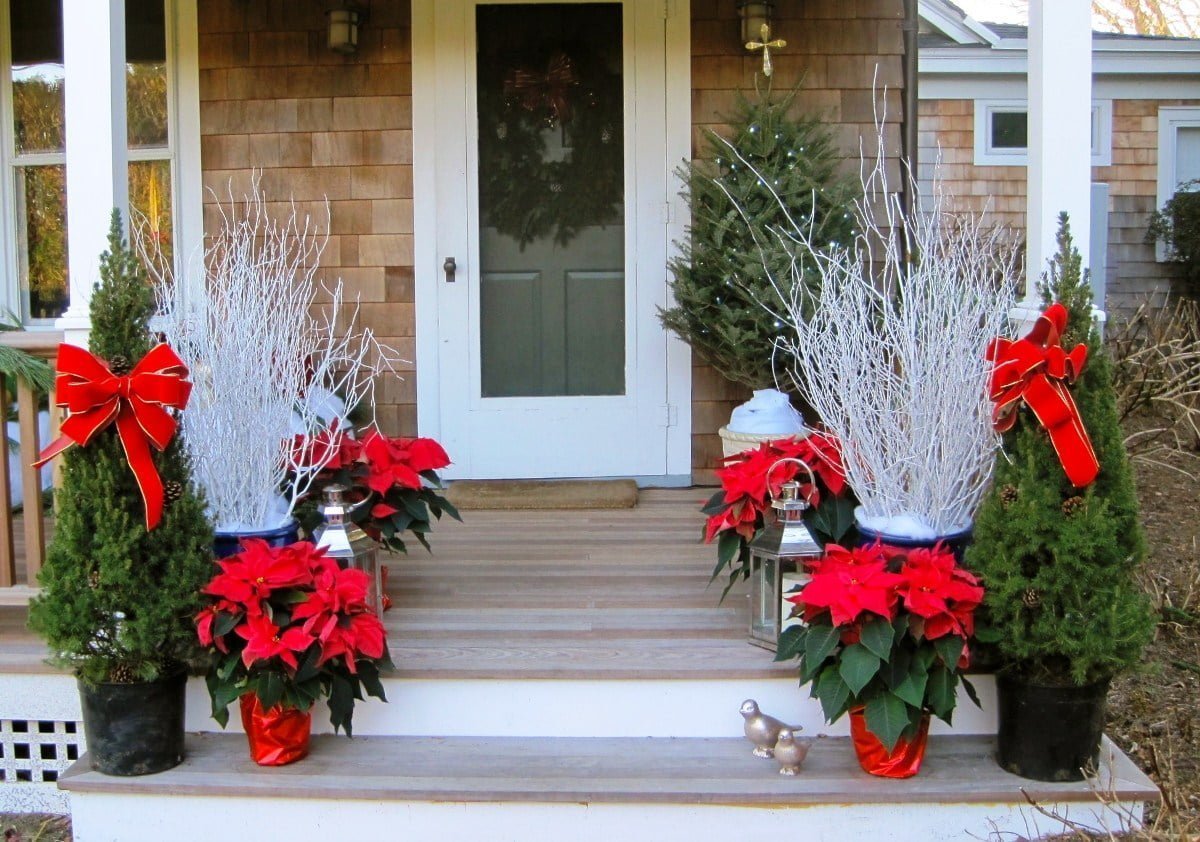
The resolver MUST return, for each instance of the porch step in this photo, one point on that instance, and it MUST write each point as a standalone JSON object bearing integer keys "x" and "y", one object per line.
{"x": 586, "y": 789}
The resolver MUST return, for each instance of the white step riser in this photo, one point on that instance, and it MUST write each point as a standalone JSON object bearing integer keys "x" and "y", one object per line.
{"x": 142, "y": 818}
{"x": 528, "y": 708}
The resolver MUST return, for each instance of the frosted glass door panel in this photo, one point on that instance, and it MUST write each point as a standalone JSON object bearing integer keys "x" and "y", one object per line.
{"x": 551, "y": 200}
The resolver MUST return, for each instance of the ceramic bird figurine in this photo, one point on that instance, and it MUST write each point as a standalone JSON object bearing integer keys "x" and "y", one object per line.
{"x": 760, "y": 729}
{"x": 790, "y": 752}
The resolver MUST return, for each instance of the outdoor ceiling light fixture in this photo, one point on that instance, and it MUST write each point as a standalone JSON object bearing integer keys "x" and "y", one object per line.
{"x": 343, "y": 28}
{"x": 757, "y": 16}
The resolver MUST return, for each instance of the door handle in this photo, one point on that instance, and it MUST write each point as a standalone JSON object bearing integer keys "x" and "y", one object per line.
{"x": 449, "y": 267}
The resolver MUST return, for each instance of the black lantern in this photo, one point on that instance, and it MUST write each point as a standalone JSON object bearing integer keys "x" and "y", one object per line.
{"x": 777, "y": 557}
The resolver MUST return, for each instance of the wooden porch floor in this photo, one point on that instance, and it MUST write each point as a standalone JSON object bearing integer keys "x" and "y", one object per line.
{"x": 604, "y": 594}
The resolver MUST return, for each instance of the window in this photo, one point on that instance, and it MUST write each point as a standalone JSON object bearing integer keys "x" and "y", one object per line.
{"x": 34, "y": 143}
{"x": 1178, "y": 153}
{"x": 1002, "y": 132}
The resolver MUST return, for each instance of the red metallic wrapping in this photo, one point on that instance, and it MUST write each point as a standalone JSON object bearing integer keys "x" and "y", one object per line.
{"x": 903, "y": 761}
{"x": 277, "y": 736}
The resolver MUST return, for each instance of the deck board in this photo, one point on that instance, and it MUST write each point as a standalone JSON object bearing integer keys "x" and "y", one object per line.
{"x": 957, "y": 769}
{"x": 613, "y": 593}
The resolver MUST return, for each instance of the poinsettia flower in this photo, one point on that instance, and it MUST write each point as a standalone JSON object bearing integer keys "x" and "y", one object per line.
{"x": 207, "y": 618}
{"x": 354, "y": 636}
{"x": 387, "y": 464}
{"x": 425, "y": 454}
{"x": 935, "y": 588}
{"x": 336, "y": 591}
{"x": 256, "y": 572}
{"x": 849, "y": 590}
{"x": 264, "y": 640}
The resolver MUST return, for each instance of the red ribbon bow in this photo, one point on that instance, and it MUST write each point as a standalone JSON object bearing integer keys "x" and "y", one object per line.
{"x": 138, "y": 402}
{"x": 1038, "y": 371}
{"x": 544, "y": 90}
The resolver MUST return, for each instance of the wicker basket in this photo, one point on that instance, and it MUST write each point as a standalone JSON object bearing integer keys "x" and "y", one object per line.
{"x": 733, "y": 443}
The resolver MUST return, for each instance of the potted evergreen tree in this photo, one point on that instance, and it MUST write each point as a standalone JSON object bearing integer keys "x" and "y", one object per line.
{"x": 118, "y": 591}
{"x": 721, "y": 279}
{"x": 1063, "y": 611}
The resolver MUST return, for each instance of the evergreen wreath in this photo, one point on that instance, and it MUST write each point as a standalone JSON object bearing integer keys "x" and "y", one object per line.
{"x": 526, "y": 194}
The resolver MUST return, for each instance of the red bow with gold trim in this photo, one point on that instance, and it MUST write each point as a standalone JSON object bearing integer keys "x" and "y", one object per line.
{"x": 1038, "y": 371}
{"x": 138, "y": 402}
{"x": 544, "y": 90}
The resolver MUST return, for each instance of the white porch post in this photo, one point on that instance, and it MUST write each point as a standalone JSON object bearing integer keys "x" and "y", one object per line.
{"x": 1060, "y": 121}
{"x": 96, "y": 145}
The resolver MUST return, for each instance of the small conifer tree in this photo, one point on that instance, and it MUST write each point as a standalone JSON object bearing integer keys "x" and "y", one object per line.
{"x": 1058, "y": 562}
{"x": 117, "y": 600}
{"x": 724, "y": 267}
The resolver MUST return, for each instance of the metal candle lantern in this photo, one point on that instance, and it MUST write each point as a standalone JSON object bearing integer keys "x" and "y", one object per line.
{"x": 779, "y": 550}
{"x": 345, "y": 541}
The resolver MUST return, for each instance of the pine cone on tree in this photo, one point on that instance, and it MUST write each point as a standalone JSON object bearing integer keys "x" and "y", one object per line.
{"x": 119, "y": 365}
{"x": 172, "y": 491}
{"x": 1032, "y": 598}
{"x": 123, "y": 674}
{"x": 1072, "y": 505}
{"x": 94, "y": 579}
{"x": 1008, "y": 495}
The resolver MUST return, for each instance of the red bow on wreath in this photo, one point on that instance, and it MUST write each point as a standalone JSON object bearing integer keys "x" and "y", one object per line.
{"x": 1038, "y": 371}
{"x": 544, "y": 90}
{"x": 138, "y": 402}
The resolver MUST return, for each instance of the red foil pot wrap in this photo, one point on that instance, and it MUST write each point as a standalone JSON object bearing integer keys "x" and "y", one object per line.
{"x": 277, "y": 736}
{"x": 903, "y": 761}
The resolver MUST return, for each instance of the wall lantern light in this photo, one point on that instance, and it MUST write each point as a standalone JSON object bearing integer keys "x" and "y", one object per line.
{"x": 343, "y": 29}
{"x": 757, "y": 17}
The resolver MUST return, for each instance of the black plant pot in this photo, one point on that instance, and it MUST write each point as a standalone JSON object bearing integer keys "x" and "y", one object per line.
{"x": 134, "y": 729}
{"x": 1049, "y": 733}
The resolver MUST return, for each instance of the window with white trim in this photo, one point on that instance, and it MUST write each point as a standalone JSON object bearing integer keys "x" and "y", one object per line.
{"x": 33, "y": 138}
{"x": 1002, "y": 132}
{"x": 1178, "y": 154}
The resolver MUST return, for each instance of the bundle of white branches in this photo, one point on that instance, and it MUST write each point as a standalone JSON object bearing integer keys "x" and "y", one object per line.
{"x": 891, "y": 354}
{"x": 264, "y": 357}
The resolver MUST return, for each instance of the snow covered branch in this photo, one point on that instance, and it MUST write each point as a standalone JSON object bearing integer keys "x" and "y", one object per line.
{"x": 268, "y": 362}
{"x": 891, "y": 353}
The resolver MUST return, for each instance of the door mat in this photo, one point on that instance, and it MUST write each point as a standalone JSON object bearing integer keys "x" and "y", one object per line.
{"x": 543, "y": 494}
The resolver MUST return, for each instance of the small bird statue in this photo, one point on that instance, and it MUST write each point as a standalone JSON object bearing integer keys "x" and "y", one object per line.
{"x": 760, "y": 729}
{"x": 790, "y": 752}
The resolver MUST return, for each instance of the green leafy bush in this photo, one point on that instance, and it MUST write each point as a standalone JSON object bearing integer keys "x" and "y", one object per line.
{"x": 1178, "y": 226}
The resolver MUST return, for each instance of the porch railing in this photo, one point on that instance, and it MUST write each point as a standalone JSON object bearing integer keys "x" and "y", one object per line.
{"x": 43, "y": 344}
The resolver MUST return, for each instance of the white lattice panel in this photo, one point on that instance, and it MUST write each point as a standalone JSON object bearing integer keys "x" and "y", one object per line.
{"x": 32, "y": 755}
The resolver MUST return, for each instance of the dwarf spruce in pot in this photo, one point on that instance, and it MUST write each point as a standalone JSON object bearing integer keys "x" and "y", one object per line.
{"x": 117, "y": 597}
{"x": 1063, "y": 611}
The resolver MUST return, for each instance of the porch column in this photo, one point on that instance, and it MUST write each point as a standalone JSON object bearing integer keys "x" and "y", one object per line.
{"x": 1060, "y": 140}
{"x": 96, "y": 144}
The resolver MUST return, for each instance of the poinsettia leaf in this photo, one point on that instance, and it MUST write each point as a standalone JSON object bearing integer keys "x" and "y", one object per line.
{"x": 220, "y": 705}
{"x": 832, "y": 692}
{"x": 831, "y": 520}
{"x": 987, "y": 634}
{"x": 858, "y": 666}
{"x": 369, "y": 676}
{"x": 972, "y": 693}
{"x": 308, "y": 666}
{"x": 223, "y": 624}
{"x": 270, "y": 689}
{"x": 227, "y": 666}
{"x": 912, "y": 688}
{"x": 293, "y": 596}
{"x": 715, "y": 505}
{"x": 939, "y": 693}
{"x": 728, "y": 546}
{"x": 791, "y": 643}
{"x": 895, "y": 668}
{"x": 449, "y": 508}
{"x": 420, "y": 536}
{"x": 949, "y": 649}
{"x": 820, "y": 642}
{"x": 877, "y": 635}
{"x": 887, "y": 717}
{"x": 416, "y": 508}
{"x": 341, "y": 704}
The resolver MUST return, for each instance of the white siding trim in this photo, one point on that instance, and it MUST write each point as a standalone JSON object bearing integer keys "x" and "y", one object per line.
{"x": 188, "y": 201}
{"x": 1170, "y": 120}
{"x": 986, "y": 155}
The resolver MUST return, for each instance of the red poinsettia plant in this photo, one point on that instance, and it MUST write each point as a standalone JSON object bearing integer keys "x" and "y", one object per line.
{"x": 393, "y": 482}
{"x": 885, "y": 628}
{"x": 289, "y": 625}
{"x": 742, "y": 507}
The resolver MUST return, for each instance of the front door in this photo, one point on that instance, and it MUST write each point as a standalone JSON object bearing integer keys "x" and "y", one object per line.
{"x": 545, "y": 128}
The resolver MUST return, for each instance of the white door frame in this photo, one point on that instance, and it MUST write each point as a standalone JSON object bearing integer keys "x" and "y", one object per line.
{"x": 437, "y": 146}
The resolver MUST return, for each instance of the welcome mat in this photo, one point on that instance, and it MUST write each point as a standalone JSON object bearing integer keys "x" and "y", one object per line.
{"x": 543, "y": 494}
